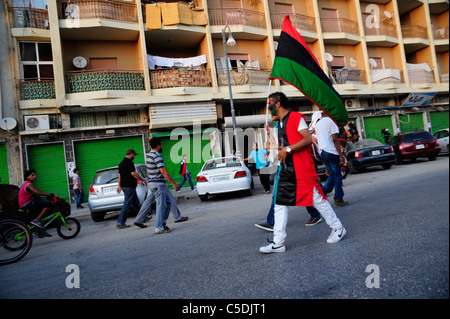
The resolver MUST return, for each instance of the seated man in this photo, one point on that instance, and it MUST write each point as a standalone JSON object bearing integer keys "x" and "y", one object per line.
{"x": 29, "y": 200}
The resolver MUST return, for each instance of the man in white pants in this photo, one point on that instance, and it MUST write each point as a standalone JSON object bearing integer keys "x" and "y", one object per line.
{"x": 297, "y": 183}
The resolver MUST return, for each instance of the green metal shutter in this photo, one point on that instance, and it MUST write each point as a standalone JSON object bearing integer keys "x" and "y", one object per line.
{"x": 374, "y": 125}
{"x": 4, "y": 176}
{"x": 93, "y": 155}
{"x": 173, "y": 151}
{"x": 439, "y": 120}
{"x": 49, "y": 163}
{"x": 410, "y": 122}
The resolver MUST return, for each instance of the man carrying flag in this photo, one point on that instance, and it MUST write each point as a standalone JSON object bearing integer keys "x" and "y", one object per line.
{"x": 298, "y": 183}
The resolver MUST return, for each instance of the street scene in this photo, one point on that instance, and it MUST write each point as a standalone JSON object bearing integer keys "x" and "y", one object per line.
{"x": 396, "y": 247}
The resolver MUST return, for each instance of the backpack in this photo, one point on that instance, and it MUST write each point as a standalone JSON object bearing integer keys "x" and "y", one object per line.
{"x": 181, "y": 168}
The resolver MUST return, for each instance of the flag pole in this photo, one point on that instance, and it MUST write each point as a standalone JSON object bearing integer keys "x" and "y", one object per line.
{"x": 267, "y": 107}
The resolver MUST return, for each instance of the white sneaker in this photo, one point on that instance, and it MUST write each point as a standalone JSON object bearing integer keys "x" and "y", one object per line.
{"x": 272, "y": 248}
{"x": 336, "y": 235}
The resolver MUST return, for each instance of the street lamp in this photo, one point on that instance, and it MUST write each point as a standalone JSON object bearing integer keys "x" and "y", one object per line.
{"x": 231, "y": 42}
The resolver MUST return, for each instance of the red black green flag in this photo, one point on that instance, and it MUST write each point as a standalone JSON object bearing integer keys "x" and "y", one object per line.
{"x": 296, "y": 64}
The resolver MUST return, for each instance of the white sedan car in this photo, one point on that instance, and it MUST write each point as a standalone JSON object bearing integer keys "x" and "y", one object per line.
{"x": 442, "y": 138}
{"x": 223, "y": 175}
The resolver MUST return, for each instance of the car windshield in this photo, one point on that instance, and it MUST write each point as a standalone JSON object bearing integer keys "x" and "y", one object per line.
{"x": 107, "y": 176}
{"x": 417, "y": 136}
{"x": 221, "y": 163}
{"x": 364, "y": 144}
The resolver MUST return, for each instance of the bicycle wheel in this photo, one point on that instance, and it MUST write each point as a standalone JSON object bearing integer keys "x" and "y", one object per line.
{"x": 71, "y": 230}
{"x": 16, "y": 240}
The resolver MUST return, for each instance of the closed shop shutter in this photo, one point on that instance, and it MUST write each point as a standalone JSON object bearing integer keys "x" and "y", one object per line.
{"x": 4, "y": 176}
{"x": 411, "y": 122}
{"x": 49, "y": 163}
{"x": 93, "y": 155}
{"x": 173, "y": 151}
{"x": 374, "y": 125}
{"x": 439, "y": 120}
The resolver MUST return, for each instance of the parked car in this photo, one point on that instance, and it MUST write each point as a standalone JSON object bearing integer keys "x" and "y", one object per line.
{"x": 442, "y": 138}
{"x": 369, "y": 152}
{"x": 223, "y": 175}
{"x": 103, "y": 196}
{"x": 414, "y": 145}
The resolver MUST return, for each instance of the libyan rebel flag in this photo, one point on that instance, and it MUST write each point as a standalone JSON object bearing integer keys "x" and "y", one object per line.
{"x": 296, "y": 64}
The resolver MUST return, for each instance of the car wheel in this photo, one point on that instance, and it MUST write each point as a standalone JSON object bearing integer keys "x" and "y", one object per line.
{"x": 203, "y": 197}
{"x": 97, "y": 217}
{"x": 387, "y": 166}
{"x": 398, "y": 160}
{"x": 432, "y": 158}
{"x": 353, "y": 169}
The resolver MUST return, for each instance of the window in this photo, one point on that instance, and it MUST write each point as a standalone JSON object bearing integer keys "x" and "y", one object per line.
{"x": 36, "y": 60}
{"x": 338, "y": 62}
{"x": 283, "y": 8}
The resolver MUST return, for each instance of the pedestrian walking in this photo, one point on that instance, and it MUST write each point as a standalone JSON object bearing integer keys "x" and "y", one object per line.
{"x": 259, "y": 155}
{"x": 128, "y": 178}
{"x": 298, "y": 183}
{"x": 158, "y": 175}
{"x": 78, "y": 189}
{"x": 331, "y": 154}
{"x": 186, "y": 174}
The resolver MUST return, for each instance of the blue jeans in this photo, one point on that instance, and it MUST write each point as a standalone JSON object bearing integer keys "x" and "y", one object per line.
{"x": 163, "y": 203}
{"x": 334, "y": 180}
{"x": 184, "y": 181}
{"x": 130, "y": 200}
{"x": 78, "y": 196}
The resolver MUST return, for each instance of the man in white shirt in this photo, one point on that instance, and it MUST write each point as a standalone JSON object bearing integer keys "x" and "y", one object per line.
{"x": 330, "y": 152}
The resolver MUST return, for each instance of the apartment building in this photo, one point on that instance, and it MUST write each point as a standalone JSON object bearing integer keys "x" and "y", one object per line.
{"x": 83, "y": 81}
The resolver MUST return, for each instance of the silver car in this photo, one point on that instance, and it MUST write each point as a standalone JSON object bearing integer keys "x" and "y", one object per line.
{"x": 103, "y": 196}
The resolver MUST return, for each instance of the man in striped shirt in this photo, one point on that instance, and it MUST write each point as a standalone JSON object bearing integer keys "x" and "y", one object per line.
{"x": 157, "y": 176}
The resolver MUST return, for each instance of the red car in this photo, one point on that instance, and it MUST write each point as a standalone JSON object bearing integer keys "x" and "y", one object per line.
{"x": 413, "y": 145}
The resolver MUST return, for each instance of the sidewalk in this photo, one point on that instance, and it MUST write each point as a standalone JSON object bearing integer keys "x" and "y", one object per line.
{"x": 183, "y": 195}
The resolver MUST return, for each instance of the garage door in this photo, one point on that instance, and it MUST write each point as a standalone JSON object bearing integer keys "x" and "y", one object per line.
{"x": 374, "y": 125}
{"x": 173, "y": 151}
{"x": 4, "y": 176}
{"x": 410, "y": 122}
{"x": 93, "y": 155}
{"x": 50, "y": 165}
{"x": 439, "y": 120}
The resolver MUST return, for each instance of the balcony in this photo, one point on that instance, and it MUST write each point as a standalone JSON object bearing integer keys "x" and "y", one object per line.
{"x": 36, "y": 89}
{"x": 386, "y": 76}
{"x": 340, "y": 31}
{"x": 98, "y": 9}
{"x": 385, "y": 35}
{"x": 99, "y": 80}
{"x": 348, "y": 76}
{"x": 415, "y": 37}
{"x": 239, "y": 76}
{"x": 29, "y": 18}
{"x": 245, "y": 24}
{"x": 440, "y": 36}
{"x": 305, "y": 24}
{"x": 170, "y": 78}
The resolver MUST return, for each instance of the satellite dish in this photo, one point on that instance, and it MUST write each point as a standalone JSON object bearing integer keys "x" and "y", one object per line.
{"x": 72, "y": 11}
{"x": 79, "y": 62}
{"x": 328, "y": 57}
{"x": 353, "y": 62}
{"x": 373, "y": 63}
{"x": 8, "y": 123}
{"x": 387, "y": 14}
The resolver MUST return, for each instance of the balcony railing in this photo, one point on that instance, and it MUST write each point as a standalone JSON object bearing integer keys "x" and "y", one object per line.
{"x": 30, "y": 18}
{"x": 241, "y": 76}
{"x": 98, "y": 80}
{"x": 440, "y": 33}
{"x": 443, "y": 75}
{"x": 299, "y": 21}
{"x": 420, "y": 76}
{"x": 237, "y": 17}
{"x": 348, "y": 76}
{"x": 169, "y": 78}
{"x": 386, "y": 76}
{"x": 339, "y": 25}
{"x": 384, "y": 29}
{"x": 414, "y": 31}
{"x": 35, "y": 89}
{"x": 99, "y": 9}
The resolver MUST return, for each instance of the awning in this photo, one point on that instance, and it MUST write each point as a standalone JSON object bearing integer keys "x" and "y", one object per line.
{"x": 247, "y": 121}
{"x": 174, "y": 115}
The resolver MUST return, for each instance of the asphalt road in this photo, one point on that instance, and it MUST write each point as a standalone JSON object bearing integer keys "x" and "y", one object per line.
{"x": 396, "y": 247}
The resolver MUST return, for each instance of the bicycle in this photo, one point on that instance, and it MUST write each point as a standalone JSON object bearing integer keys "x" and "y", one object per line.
{"x": 66, "y": 228}
{"x": 16, "y": 239}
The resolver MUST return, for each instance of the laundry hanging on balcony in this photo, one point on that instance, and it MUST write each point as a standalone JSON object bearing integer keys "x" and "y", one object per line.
{"x": 154, "y": 60}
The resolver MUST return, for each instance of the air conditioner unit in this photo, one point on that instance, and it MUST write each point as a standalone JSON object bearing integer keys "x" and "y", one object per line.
{"x": 36, "y": 122}
{"x": 350, "y": 103}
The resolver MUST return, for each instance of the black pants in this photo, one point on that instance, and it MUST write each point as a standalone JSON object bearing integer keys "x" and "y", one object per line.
{"x": 265, "y": 181}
